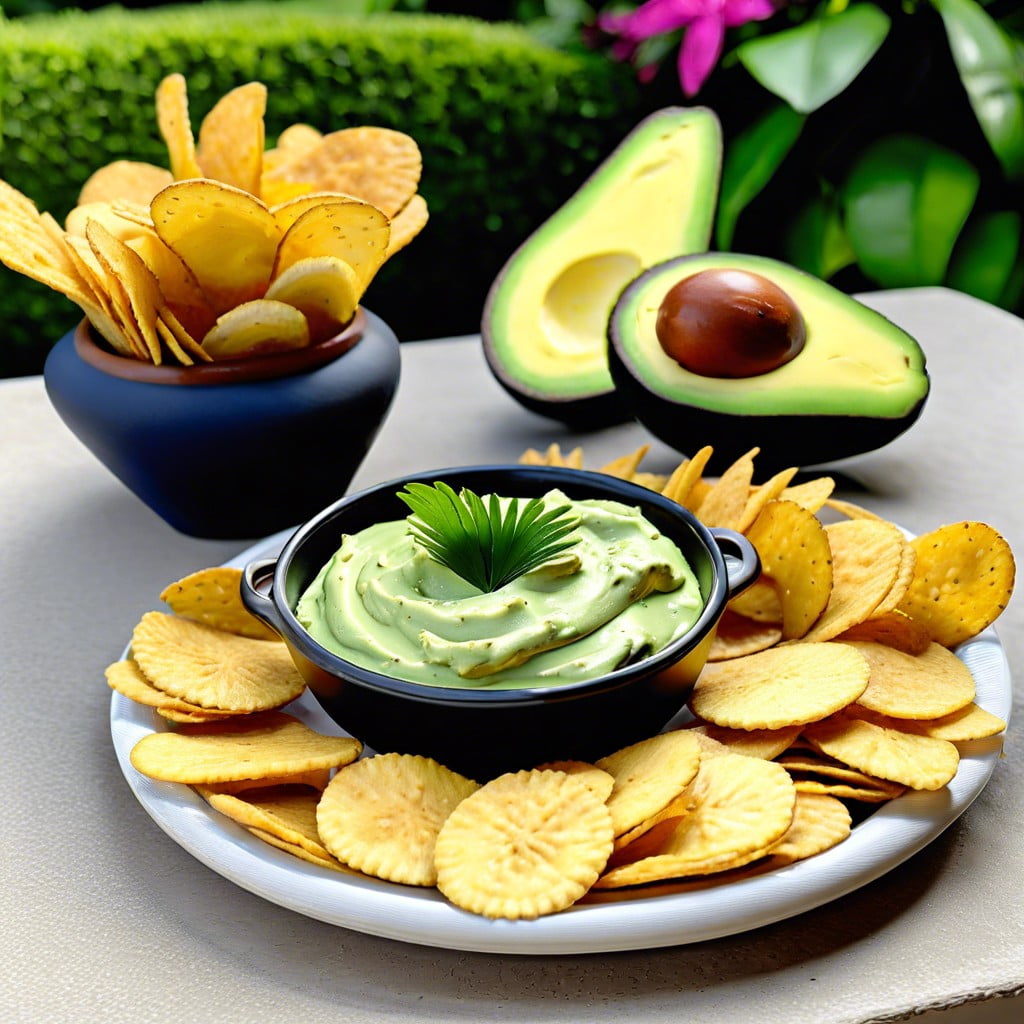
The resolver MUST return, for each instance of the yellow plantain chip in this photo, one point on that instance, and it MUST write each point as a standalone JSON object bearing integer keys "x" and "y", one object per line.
{"x": 249, "y": 747}
{"x": 737, "y": 636}
{"x": 962, "y": 581}
{"x": 759, "y": 496}
{"x": 927, "y": 685}
{"x": 352, "y": 231}
{"x": 599, "y": 782}
{"x": 127, "y": 679}
{"x": 683, "y": 480}
{"x": 525, "y": 844}
{"x": 919, "y": 762}
{"x": 408, "y": 223}
{"x": 259, "y": 326}
{"x": 742, "y": 806}
{"x": 625, "y": 466}
{"x": 724, "y": 503}
{"x": 866, "y": 559}
{"x": 324, "y": 289}
{"x": 382, "y": 815}
{"x": 214, "y": 669}
{"x": 969, "y": 723}
{"x": 285, "y": 811}
{"x": 178, "y": 286}
{"x": 232, "y": 138}
{"x": 175, "y": 126}
{"x": 226, "y": 237}
{"x": 811, "y": 494}
{"x": 378, "y": 165}
{"x": 301, "y": 852}
{"x": 213, "y": 596}
{"x": 819, "y": 823}
{"x": 648, "y": 775}
{"x": 796, "y": 555}
{"x": 766, "y": 743}
{"x": 788, "y": 685}
{"x": 127, "y": 180}
{"x": 894, "y": 629}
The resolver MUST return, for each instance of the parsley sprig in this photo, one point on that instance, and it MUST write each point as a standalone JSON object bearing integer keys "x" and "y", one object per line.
{"x": 484, "y": 544}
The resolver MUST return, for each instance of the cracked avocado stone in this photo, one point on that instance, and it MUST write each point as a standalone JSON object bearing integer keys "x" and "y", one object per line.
{"x": 545, "y": 320}
{"x": 741, "y": 351}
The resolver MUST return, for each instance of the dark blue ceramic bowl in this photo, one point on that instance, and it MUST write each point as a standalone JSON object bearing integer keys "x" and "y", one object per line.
{"x": 483, "y": 732}
{"x": 233, "y": 449}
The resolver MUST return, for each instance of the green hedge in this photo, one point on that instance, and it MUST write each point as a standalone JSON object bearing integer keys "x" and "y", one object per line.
{"x": 508, "y": 128}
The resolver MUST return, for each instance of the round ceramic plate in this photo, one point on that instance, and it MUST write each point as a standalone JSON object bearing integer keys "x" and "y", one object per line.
{"x": 890, "y": 835}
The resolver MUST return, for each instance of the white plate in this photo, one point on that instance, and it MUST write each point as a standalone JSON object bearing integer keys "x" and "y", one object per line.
{"x": 894, "y": 832}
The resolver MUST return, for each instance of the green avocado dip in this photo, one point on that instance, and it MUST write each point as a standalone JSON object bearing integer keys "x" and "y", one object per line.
{"x": 621, "y": 592}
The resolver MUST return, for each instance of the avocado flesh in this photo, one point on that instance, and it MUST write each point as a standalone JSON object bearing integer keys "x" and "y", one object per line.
{"x": 858, "y": 383}
{"x": 545, "y": 320}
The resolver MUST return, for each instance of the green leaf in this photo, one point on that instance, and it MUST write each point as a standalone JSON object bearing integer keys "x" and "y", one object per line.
{"x": 904, "y": 202}
{"x": 484, "y": 544}
{"x": 814, "y": 62}
{"x": 986, "y": 255}
{"x": 750, "y": 161}
{"x": 992, "y": 70}
{"x": 817, "y": 241}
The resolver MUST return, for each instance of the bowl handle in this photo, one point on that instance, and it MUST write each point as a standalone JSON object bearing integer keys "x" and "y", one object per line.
{"x": 257, "y": 585}
{"x": 742, "y": 564}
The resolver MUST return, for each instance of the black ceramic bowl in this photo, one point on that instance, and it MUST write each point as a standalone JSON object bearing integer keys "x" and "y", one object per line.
{"x": 484, "y": 732}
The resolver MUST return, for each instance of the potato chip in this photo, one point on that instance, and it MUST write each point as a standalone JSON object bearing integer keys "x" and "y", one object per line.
{"x": 226, "y": 237}
{"x": 214, "y": 669}
{"x": 927, "y": 685}
{"x": 724, "y": 503}
{"x": 819, "y": 823}
{"x": 259, "y": 326}
{"x": 127, "y": 679}
{"x": 303, "y": 854}
{"x": 814, "y": 772}
{"x": 796, "y": 555}
{"x": 850, "y": 509}
{"x": 788, "y": 685}
{"x": 866, "y": 560}
{"x": 919, "y": 762}
{"x": 737, "y": 636}
{"x": 213, "y": 596}
{"x": 349, "y": 230}
{"x": 894, "y": 629}
{"x": 175, "y": 126}
{"x": 246, "y": 747}
{"x": 124, "y": 179}
{"x": 648, "y": 775}
{"x": 178, "y": 286}
{"x": 900, "y": 585}
{"x": 118, "y": 225}
{"x": 766, "y": 743}
{"x": 759, "y": 496}
{"x": 316, "y": 778}
{"x": 971, "y": 722}
{"x": 811, "y": 494}
{"x": 407, "y": 224}
{"x": 683, "y": 481}
{"x": 525, "y": 844}
{"x": 760, "y": 602}
{"x": 382, "y": 815}
{"x": 963, "y": 579}
{"x": 232, "y": 138}
{"x": 742, "y": 806}
{"x": 324, "y": 289}
{"x": 599, "y": 782}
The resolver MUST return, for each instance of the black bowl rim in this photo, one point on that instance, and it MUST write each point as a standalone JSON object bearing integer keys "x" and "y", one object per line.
{"x": 615, "y": 488}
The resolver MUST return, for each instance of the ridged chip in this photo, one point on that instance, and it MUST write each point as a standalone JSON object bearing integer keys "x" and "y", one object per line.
{"x": 894, "y": 629}
{"x": 407, "y": 224}
{"x": 796, "y": 555}
{"x": 788, "y": 685}
{"x": 247, "y": 747}
{"x": 962, "y": 581}
{"x": 648, "y": 775}
{"x": 919, "y": 762}
{"x": 742, "y": 806}
{"x": 814, "y": 772}
{"x": 766, "y": 743}
{"x": 866, "y": 559}
{"x": 382, "y": 815}
{"x": 969, "y": 723}
{"x": 129, "y": 180}
{"x": 232, "y": 138}
{"x": 301, "y": 852}
{"x": 127, "y": 679}
{"x": 737, "y": 636}
{"x": 819, "y": 823}
{"x": 214, "y": 669}
{"x": 525, "y": 844}
{"x": 599, "y": 782}
{"x": 213, "y": 596}
{"x": 927, "y": 685}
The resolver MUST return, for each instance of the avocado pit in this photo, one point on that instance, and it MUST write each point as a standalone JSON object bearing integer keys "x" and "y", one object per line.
{"x": 731, "y": 323}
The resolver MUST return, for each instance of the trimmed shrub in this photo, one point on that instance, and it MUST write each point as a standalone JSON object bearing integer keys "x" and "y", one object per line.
{"x": 508, "y": 128}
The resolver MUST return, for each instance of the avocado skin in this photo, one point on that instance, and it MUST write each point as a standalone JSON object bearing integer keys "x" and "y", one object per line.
{"x": 784, "y": 439}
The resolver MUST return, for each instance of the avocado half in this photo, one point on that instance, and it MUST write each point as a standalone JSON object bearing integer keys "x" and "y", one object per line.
{"x": 545, "y": 319}
{"x": 858, "y": 382}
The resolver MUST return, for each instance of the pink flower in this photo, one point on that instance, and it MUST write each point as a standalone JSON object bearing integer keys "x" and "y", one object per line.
{"x": 704, "y": 23}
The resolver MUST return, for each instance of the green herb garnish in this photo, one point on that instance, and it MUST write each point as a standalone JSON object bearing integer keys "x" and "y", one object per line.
{"x": 483, "y": 544}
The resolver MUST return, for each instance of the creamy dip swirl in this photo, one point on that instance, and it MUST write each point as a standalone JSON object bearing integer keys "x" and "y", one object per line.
{"x": 622, "y": 592}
